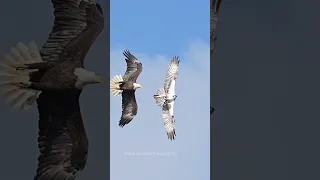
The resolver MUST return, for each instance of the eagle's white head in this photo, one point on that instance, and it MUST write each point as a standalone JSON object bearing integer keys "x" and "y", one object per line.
{"x": 85, "y": 77}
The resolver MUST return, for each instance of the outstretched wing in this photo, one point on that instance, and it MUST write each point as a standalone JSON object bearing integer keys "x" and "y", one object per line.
{"x": 62, "y": 139}
{"x": 134, "y": 67}
{"x": 172, "y": 74}
{"x": 168, "y": 119}
{"x": 76, "y": 25}
{"x": 129, "y": 107}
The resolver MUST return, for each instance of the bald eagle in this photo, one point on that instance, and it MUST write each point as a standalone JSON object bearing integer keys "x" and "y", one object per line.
{"x": 166, "y": 96}
{"x": 126, "y": 86}
{"x": 56, "y": 73}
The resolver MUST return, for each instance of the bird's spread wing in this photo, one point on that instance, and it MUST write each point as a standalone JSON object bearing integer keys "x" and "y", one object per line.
{"x": 168, "y": 118}
{"x": 172, "y": 73}
{"x": 134, "y": 67}
{"x": 76, "y": 24}
{"x": 129, "y": 107}
{"x": 62, "y": 139}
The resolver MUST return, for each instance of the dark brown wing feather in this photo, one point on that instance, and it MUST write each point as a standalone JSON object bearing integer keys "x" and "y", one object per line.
{"x": 73, "y": 24}
{"x": 79, "y": 46}
{"x": 129, "y": 107}
{"x": 134, "y": 67}
{"x": 62, "y": 139}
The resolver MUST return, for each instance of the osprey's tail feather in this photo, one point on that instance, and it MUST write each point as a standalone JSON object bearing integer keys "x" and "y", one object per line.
{"x": 159, "y": 97}
{"x": 10, "y": 78}
{"x": 115, "y": 85}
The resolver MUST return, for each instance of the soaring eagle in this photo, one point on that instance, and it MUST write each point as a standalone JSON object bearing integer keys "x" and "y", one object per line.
{"x": 126, "y": 86}
{"x": 166, "y": 96}
{"x": 56, "y": 73}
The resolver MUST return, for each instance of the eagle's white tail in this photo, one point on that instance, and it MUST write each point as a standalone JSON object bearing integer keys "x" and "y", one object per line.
{"x": 10, "y": 78}
{"x": 159, "y": 96}
{"x": 115, "y": 85}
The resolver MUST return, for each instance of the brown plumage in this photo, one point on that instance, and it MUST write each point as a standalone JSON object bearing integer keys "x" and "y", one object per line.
{"x": 59, "y": 79}
{"x": 62, "y": 138}
{"x": 126, "y": 86}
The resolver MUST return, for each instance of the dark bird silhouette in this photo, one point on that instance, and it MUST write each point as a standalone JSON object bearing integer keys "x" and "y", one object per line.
{"x": 57, "y": 73}
{"x": 126, "y": 86}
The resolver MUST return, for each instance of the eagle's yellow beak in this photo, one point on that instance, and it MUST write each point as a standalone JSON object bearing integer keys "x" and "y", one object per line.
{"x": 99, "y": 79}
{"x": 139, "y": 86}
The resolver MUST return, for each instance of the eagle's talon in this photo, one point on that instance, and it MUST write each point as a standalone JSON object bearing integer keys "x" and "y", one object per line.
{"x": 25, "y": 84}
{"x": 21, "y": 68}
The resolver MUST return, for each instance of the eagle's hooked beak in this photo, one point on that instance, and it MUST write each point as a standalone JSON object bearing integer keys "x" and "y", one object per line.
{"x": 139, "y": 86}
{"x": 99, "y": 79}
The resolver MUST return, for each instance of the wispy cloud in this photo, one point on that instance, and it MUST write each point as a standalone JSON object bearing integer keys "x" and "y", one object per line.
{"x": 141, "y": 149}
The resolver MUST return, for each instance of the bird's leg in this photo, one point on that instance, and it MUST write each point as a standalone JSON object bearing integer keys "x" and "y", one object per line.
{"x": 35, "y": 86}
{"x": 41, "y": 65}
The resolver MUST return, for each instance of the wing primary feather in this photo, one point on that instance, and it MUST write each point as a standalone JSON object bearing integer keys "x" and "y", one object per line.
{"x": 134, "y": 67}
{"x": 129, "y": 108}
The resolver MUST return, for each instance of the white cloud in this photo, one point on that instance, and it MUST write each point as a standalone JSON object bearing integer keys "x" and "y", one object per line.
{"x": 146, "y": 132}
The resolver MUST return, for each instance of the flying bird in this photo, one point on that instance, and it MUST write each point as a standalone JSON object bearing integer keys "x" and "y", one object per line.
{"x": 126, "y": 86}
{"x": 166, "y": 96}
{"x": 54, "y": 78}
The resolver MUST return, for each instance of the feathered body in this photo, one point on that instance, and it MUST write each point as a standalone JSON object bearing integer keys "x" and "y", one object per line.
{"x": 57, "y": 73}
{"x": 126, "y": 86}
{"x": 165, "y": 97}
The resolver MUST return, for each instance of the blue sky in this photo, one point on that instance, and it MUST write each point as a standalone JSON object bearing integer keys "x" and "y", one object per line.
{"x": 161, "y": 27}
{"x": 154, "y": 31}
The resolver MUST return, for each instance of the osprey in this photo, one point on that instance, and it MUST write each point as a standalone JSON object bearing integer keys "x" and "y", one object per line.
{"x": 56, "y": 73}
{"x": 126, "y": 86}
{"x": 166, "y": 96}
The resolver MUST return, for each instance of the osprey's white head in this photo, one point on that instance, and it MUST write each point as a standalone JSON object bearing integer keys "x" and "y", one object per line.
{"x": 136, "y": 86}
{"x": 85, "y": 77}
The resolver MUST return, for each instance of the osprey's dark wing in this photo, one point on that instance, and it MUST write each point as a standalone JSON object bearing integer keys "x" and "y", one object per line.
{"x": 129, "y": 107}
{"x": 172, "y": 73}
{"x": 77, "y": 23}
{"x": 62, "y": 139}
{"x": 134, "y": 67}
{"x": 214, "y": 10}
